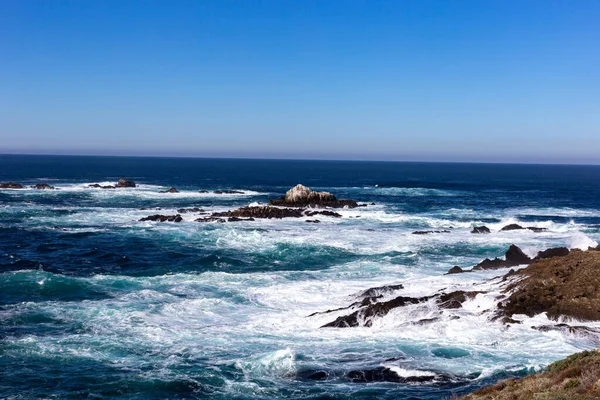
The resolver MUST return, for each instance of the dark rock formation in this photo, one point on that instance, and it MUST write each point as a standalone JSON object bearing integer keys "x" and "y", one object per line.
{"x": 163, "y": 218}
{"x": 210, "y": 219}
{"x": 555, "y": 252}
{"x": 237, "y": 219}
{"x": 99, "y": 186}
{"x": 455, "y": 270}
{"x": 313, "y": 375}
{"x": 325, "y": 212}
{"x": 537, "y": 230}
{"x": 10, "y": 185}
{"x": 566, "y": 286}
{"x": 42, "y": 186}
{"x": 171, "y": 190}
{"x": 371, "y": 308}
{"x": 480, "y": 229}
{"x": 455, "y": 299}
{"x": 261, "y": 212}
{"x": 203, "y": 191}
{"x": 513, "y": 257}
{"x": 190, "y": 210}
{"x": 227, "y": 192}
{"x": 313, "y": 221}
{"x": 125, "y": 183}
{"x": 366, "y": 314}
{"x": 301, "y": 196}
{"x": 428, "y": 232}
{"x": 512, "y": 227}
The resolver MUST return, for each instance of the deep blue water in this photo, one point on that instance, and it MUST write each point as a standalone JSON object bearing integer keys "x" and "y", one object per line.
{"x": 94, "y": 303}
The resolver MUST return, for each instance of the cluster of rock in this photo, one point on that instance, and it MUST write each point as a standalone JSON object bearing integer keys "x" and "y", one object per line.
{"x": 14, "y": 185}
{"x": 122, "y": 183}
{"x": 299, "y": 202}
{"x": 510, "y": 227}
{"x": 513, "y": 257}
{"x": 301, "y": 196}
{"x": 163, "y": 218}
{"x": 558, "y": 281}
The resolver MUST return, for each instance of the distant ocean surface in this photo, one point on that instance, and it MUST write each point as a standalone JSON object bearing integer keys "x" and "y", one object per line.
{"x": 95, "y": 304}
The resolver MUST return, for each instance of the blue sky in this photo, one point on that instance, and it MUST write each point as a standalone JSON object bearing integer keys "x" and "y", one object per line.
{"x": 508, "y": 81}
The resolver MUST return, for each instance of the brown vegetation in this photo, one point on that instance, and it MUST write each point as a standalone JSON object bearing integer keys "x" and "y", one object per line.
{"x": 575, "y": 378}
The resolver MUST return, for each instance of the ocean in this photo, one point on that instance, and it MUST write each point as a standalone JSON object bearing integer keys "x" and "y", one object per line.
{"x": 97, "y": 304}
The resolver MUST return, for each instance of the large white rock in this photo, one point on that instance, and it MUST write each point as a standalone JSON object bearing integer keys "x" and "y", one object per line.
{"x": 302, "y": 194}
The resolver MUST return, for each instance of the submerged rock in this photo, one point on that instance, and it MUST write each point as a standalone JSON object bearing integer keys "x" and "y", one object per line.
{"x": 190, "y": 210}
{"x": 163, "y": 218}
{"x": 327, "y": 213}
{"x": 537, "y": 230}
{"x": 171, "y": 190}
{"x": 301, "y": 196}
{"x": 429, "y": 232}
{"x": 385, "y": 374}
{"x": 125, "y": 183}
{"x": 480, "y": 229}
{"x": 99, "y": 186}
{"x": 42, "y": 186}
{"x": 227, "y": 192}
{"x": 210, "y": 219}
{"x": 10, "y": 185}
{"x": 313, "y": 221}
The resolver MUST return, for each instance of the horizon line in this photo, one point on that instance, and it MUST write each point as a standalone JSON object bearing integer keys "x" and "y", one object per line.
{"x": 416, "y": 161}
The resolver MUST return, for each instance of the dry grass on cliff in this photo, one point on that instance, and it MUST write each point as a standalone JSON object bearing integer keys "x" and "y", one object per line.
{"x": 575, "y": 378}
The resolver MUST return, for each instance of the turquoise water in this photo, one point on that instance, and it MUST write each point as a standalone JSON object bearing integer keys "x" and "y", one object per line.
{"x": 94, "y": 303}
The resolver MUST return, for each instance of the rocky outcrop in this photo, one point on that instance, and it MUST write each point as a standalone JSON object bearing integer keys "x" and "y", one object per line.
{"x": 42, "y": 186}
{"x": 515, "y": 227}
{"x": 261, "y": 212}
{"x": 237, "y": 219}
{"x": 163, "y": 218}
{"x": 567, "y": 286}
{"x": 122, "y": 183}
{"x": 171, "y": 190}
{"x": 385, "y": 374}
{"x": 429, "y": 232}
{"x": 125, "y": 183}
{"x": 10, "y": 185}
{"x": 455, "y": 270}
{"x": 371, "y": 308}
{"x": 301, "y": 196}
{"x": 480, "y": 229}
{"x": 575, "y": 378}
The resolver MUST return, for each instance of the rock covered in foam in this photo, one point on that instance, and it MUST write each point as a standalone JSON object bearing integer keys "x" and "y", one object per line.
{"x": 163, "y": 218}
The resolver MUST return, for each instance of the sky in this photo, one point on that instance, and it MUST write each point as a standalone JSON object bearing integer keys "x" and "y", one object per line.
{"x": 484, "y": 81}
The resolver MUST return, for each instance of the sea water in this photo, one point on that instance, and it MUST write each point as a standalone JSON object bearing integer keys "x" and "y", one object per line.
{"x": 96, "y": 304}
